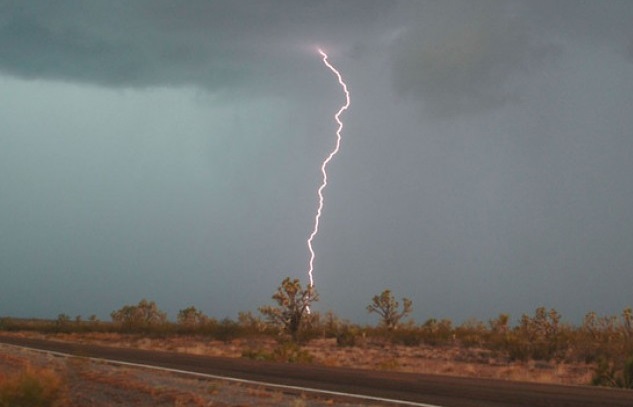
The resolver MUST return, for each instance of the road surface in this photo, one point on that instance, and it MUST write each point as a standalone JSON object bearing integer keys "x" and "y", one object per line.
{"x": 436, "y": 390}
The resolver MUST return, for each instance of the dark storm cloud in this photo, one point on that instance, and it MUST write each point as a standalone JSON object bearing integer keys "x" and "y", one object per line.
{"x": 454, "y": 56}
{"x": 200, "y": 43}
{"x": 462, "y": 57}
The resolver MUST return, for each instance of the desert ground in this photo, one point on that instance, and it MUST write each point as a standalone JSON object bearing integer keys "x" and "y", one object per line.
{"x": 88, "y": 383}
{"x": 378, "y": 355}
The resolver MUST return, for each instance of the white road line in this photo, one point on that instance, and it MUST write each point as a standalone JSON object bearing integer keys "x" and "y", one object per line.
{"x": 236, "y": 380}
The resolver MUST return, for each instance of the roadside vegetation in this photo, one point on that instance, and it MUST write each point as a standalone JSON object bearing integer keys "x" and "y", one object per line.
{"x": 33, "y": 387}
{"x": 604, "y": 342}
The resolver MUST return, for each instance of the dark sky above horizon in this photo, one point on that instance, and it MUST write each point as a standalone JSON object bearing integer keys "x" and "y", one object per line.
{"x": 171, "y": 151}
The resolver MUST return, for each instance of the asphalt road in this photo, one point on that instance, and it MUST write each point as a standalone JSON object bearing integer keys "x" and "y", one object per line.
{"x": 432, "y": 389}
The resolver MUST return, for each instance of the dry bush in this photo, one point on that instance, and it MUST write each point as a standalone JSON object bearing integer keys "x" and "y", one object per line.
{"x": 347, "y": 336}
{"x": 33, "y": 388}
{"x": 288, "y": 352}
{"x": 614, "y": 374}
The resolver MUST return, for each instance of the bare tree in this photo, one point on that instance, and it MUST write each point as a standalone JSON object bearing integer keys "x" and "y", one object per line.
{"x": 293, "y": 303}
{"x": 388, "y": 308}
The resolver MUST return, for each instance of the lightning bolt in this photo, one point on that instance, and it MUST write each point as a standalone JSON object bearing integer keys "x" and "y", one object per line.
{"x": 326, "y": 162}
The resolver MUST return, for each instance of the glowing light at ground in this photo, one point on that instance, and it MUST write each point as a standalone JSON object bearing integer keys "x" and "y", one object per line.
{"x": 337, "y": 118}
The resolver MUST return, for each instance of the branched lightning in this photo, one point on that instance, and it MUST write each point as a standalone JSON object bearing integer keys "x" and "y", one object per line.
{"x": 326, "y": 161}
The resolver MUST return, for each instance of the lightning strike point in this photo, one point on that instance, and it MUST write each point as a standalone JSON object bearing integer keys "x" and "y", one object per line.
{"x": 337, "y": 118}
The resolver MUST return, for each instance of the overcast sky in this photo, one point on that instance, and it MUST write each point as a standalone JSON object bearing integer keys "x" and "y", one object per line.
{"x": 171, "y": 151}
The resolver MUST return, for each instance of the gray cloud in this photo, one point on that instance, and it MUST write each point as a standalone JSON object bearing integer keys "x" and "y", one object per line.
{"x": 592, "y": 22}
{"x": 462, "y": 57}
